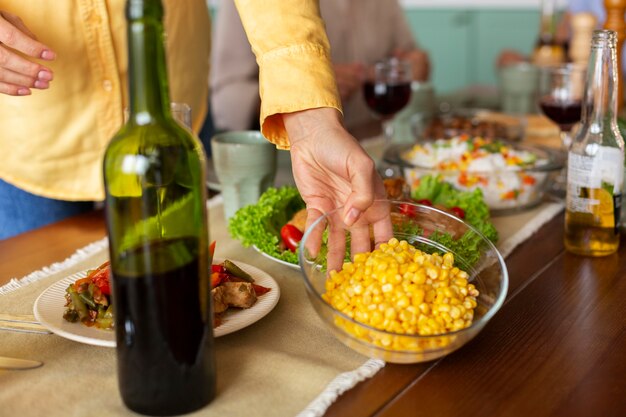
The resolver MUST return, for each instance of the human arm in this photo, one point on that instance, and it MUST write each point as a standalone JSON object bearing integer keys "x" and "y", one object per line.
{"x": 332, "y": 170}
{"x": 300, "y": 108}
{"x": 234, "y": 77}
{"x": 19, "y": 74}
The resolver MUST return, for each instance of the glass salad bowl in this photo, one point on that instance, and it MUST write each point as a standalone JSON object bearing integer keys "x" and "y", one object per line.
{"x": 387, "y": 313}
{"x": 512, "y": 176}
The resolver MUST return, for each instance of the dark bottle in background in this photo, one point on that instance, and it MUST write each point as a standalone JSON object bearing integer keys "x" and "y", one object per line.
{"x": 547, "y": 50}
{"x": 154, "y": 171}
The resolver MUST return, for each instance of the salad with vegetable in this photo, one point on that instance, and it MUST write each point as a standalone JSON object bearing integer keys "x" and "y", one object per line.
{"x": 266, "y": 224}
{"x": 275, "y": 224}
{"x": 88, "y": 300}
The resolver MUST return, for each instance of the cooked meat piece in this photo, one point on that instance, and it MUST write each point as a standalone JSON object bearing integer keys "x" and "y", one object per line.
{"x": 238, "y": 294}
{"x": 219, "y": 305}
{"x": 299, "y": 220}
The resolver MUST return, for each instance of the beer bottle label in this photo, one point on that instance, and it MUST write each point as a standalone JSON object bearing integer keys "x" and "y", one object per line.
{"x": 595, "y": 185}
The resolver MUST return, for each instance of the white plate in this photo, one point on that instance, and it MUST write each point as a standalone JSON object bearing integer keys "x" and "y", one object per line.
{"x": 280, "y": 261}
{"x": 49, "y": 309}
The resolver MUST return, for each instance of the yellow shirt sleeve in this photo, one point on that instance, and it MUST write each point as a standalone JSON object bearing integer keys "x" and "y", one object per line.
{"x": 293, "y": 53}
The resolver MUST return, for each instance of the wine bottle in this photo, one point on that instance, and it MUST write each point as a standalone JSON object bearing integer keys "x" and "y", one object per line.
{"x": 547, "y": 50}
{"x": 595, "y": 174}
{"x": 154, "y": 173}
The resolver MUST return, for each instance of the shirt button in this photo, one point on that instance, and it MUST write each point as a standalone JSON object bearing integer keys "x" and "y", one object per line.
{"x": 107, "y": 85}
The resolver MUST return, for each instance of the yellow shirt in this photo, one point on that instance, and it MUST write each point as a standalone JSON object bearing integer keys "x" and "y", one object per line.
{"x": 52, "y": 142}
{"x": 292, "y": 50}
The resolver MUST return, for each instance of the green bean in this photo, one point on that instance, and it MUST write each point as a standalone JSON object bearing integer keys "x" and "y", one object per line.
{"x": 88, "y": 300}
{"x": 236, "y": 271}
{"x": 79, "y": 305}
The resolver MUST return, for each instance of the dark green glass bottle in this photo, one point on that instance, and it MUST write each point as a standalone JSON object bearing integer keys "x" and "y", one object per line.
{"x": 154, "y": 173}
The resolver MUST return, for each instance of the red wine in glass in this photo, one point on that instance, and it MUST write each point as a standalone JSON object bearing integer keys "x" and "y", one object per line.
{"x": 386, "y": 99}
{"x": 566, "y": 113}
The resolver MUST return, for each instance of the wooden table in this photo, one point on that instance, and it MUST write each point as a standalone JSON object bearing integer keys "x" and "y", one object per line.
{"x": 556, "y": 348}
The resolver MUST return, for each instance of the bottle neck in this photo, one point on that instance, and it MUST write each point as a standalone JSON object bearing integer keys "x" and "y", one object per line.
{"x": 600, "y": 99}
{"x": 546, "y": 24}
{"x": 148, "y": 85}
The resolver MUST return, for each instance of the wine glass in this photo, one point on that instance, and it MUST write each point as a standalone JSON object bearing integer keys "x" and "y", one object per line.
{"x": 560, "y": 97}
{"x": 561, "y": 92}
{"x": 387, "y": 89}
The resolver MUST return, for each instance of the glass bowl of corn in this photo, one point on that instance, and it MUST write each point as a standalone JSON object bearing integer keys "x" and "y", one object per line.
{"x": 420, "y": 287}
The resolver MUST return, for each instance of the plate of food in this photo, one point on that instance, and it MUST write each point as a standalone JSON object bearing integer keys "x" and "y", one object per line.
{"x": 78, "y": 307}
{"x": 511, "y": 176}
{"x": 274, "y": 226}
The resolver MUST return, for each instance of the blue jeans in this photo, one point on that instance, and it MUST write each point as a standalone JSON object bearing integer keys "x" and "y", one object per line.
{"x": 21, "y": 211}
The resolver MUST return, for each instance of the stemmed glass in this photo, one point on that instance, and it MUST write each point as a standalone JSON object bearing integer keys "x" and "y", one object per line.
{"x": 387, "y": 89}
{"x": 560, "y": 97}
{"x": 561, "y": 91}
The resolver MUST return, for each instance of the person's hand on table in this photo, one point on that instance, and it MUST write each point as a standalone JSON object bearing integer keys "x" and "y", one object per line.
{"x": 332, "y": 170}
{"x": 349, "y": 78}
{"x": 420, "y": 62}
{"x": 17, "y": 73}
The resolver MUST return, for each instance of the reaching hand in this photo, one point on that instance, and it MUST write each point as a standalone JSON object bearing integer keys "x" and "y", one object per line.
{"x": 18, "y": 74}
{"x": 420, "y": 62}
{"x": 332, "y": 170}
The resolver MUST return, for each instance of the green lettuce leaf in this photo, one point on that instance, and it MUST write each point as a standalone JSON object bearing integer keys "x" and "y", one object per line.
{"x": 259, "y": 224}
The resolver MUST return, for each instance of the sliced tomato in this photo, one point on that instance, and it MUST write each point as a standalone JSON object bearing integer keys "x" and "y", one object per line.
{"x": 101, "y": 279}
{"x": 291, "y": 236}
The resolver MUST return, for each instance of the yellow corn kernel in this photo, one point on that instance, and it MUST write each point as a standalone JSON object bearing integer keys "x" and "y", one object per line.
{"x": 400, "y": 289}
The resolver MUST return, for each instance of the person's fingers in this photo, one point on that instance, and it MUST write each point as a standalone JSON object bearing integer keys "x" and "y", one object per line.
{"x": 14, "y": 90}
{"x": 18, "y": 23}
{"x": 362, "y": 176}
{"x": 11, "y": 77}
{"x": 360, "y": 239}
{"x": 382, "y": 228}
{"x": 336, "y": 244}
{"x": 315, "y": 233}
{"x": 16, "y": 63}
{"x": 13, "y": 37}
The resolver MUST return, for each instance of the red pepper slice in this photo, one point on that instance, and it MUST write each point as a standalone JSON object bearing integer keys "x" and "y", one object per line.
{"x": 291, "y": 236}
{"x": 259, "y": 289}
{"x": 408, "y": 210}
{"x": 211, "y": 251}
{"x": 217, "y": 278}
{"x": 458, "y": 212}
{"x": 218, "y": 268}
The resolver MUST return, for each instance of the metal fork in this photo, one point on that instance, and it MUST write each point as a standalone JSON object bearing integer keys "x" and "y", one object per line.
{"x": 25, "y": 323}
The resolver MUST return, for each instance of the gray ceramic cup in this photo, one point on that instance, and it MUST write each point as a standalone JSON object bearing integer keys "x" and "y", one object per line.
{"x": 245, "y": 165}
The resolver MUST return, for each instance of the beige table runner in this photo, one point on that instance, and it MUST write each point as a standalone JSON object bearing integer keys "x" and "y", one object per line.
{"x": 286, "y": 364}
